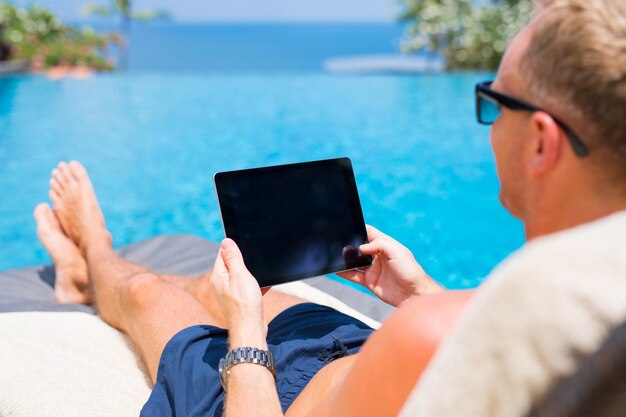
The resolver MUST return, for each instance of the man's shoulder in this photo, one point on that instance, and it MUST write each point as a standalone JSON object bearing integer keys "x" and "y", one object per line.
{"x": 604, "y": 235}
{"x": 592, "y": 250}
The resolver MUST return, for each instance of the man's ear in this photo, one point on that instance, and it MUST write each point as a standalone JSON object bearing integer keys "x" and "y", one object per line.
{"x": 547, "y": 141}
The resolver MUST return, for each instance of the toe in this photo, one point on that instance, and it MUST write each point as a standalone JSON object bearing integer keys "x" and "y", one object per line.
{"x": 56, "y": 185}
{"x": 51, "y": 218}
{"x": 58, "y": 176}
{"x": 40, "y": 211}
{"x": 67, "y": 173}
{"x": 78, "y": 171}
{"x": 54, "y": 197}
{"x": 45, "y": 217}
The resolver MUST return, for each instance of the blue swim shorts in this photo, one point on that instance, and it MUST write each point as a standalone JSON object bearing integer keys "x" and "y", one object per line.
{"x": 303, "y": 339}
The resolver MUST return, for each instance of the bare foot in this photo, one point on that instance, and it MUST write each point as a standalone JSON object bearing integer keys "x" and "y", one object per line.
{"x": 76, "y": 206}
{"x": 72, "y": 282}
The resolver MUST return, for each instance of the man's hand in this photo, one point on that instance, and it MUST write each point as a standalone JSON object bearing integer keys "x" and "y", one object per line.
{"x": 251, "y": 388}
{"x": 394, "y": 275}
{"x": 239, "y": 298}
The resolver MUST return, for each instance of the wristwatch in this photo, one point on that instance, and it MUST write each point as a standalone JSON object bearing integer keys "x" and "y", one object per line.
{"x": 245, "y": 355}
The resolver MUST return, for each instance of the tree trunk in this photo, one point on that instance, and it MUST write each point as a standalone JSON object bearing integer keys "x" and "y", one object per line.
{"x": 5, "y": 50}
{"x": 124, "y": 50}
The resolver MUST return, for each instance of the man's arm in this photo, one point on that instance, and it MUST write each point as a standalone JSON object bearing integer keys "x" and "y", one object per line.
{"x": 251, "y": 388}
{"x": 251, "y": 392}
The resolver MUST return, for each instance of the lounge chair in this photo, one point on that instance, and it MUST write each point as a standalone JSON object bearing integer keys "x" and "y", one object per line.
{"x": 596, "y": 388}
{"x": 62, "y": 360}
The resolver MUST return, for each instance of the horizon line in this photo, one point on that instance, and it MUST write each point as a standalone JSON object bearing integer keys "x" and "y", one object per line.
{"x": 237, "y": 21}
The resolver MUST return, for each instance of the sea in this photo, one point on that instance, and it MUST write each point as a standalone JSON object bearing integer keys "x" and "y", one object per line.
{"x": 167, "y": 47}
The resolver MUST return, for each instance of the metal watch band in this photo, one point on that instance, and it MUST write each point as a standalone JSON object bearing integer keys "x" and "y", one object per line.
{"x": 245, "y": 354}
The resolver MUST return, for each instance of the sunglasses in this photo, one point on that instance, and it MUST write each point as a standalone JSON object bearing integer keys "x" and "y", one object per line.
{"x": 489, "y": 106}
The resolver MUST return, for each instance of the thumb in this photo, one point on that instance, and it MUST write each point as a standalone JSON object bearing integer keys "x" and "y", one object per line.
{"x": 233, "y": 259}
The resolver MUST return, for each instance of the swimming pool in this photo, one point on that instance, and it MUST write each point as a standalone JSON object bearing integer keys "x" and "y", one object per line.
{"x": 424, "y": 168}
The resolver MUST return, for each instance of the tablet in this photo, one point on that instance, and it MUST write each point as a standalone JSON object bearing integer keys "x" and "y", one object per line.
{"x": 294, "y": 221}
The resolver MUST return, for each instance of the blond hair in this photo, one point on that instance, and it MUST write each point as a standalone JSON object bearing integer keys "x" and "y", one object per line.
{"x": 576, "y": 66}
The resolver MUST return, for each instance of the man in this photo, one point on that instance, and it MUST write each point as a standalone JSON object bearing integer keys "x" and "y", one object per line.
{"x": 557, "y": 108}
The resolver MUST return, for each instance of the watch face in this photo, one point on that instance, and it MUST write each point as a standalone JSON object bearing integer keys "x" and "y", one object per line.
{"x": 222, "y": 373}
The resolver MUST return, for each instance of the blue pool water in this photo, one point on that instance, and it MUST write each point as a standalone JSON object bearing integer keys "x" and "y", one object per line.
{"x": 424, "y": 168}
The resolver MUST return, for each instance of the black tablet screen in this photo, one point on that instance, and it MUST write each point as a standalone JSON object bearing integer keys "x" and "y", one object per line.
{"x": 294, "y": 221}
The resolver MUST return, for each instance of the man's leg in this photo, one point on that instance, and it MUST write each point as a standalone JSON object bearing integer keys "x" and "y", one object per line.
{"x": 274, "y": 302}
{"x": 148, "y": 307}
{"x": 143, "y": 305}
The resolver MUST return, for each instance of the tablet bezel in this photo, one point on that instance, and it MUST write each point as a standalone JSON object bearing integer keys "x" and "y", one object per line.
{"x": 221, "y": 181}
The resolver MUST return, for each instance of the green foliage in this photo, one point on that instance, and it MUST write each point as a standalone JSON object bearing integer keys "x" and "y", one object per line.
{"x": 470, "y": 34}
{"x": 124, "y": 9}
{"x": 36, "y": 35}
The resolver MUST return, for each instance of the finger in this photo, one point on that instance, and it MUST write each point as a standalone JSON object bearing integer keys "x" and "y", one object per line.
{"x": 374, "y": 233}
{"x": 377, "y": 247}
{"x": 219, "y": 274}
{"x": 233, "y": 259}
{"x": 384, "y": 245}
{"x": 352, "y": 275}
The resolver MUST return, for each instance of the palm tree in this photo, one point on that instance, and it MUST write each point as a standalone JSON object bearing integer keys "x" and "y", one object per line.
{"x": 5, "y": 51}
{"x": 124, "y": 9}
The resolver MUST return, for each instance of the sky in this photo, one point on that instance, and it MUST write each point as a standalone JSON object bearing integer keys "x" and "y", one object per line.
{"x": 245, "y": 10}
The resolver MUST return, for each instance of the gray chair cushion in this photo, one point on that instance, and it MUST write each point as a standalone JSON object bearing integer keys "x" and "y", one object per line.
{"x": 31, "y": 289}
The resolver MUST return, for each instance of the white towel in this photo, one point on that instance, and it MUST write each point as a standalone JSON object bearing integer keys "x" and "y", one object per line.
{"x": 554, "y": 299}
{"x": 67, "y": 364}
{"x": 73, "y": 364}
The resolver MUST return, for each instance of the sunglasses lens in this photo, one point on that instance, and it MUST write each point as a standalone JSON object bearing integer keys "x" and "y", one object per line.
{"x": 488, "y": 111}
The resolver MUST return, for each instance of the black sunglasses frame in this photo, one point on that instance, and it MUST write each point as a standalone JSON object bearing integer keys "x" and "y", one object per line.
{"x": 484, "y": 91}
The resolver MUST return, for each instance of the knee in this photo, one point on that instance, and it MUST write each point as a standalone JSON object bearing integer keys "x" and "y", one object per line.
{"x": 139, "y": 289}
